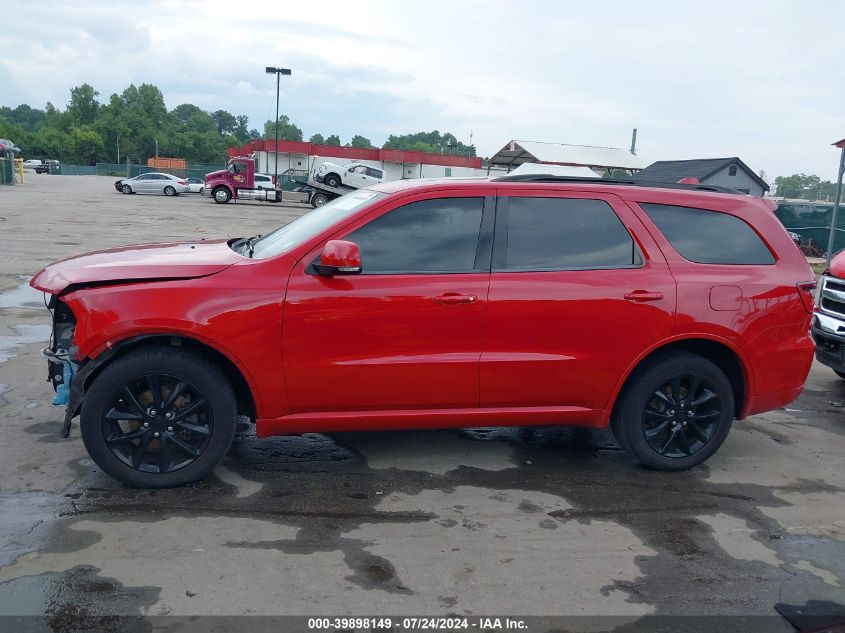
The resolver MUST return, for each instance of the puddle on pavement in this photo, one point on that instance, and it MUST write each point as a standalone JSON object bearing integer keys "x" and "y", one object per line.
{"x": 23, "y": 296}
{"x": 323, "y": 487}
{"x": 23, "y": 335}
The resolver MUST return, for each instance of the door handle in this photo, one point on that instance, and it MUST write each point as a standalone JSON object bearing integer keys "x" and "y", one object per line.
{"x": 642, "y": 296}
{"x": 453, "y": 298}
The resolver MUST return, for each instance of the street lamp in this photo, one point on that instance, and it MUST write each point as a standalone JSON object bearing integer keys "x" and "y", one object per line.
{"x": 118, "y": 149}
{"x": 156, "y": 140}
{"x": 841, "y": 146}
{"x": 271, "y": 70}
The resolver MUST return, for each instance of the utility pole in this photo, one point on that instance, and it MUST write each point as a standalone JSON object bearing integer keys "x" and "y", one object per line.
{"x": 118, "y": 149}
{"x": 156, "y": 140}
{"x": 270, "y": 70}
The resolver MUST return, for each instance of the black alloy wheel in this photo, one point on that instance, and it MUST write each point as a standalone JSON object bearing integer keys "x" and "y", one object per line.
{"x": 675, "y": 411}
{"x": 682, "y": 416}
{"x": 159, "y": 416}
{"x": 157, "y": 423}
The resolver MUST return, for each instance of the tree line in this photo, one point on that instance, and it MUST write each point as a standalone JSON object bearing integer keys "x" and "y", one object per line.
{"x": 806, "y": 187}
{"x": 137, "y": 121}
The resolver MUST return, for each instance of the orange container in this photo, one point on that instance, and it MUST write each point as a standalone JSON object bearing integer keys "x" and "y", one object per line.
{"x": 167, "y": 163}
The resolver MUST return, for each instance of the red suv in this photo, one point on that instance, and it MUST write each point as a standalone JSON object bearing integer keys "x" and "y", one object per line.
{"x": 663, "y": 311}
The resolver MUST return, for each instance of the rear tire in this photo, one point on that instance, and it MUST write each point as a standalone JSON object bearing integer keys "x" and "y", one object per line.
{"x": 169, "y": 191}
{"x": 675, "y": 412}
{"x": 319, "y": 199}
{"x": 175, "y": 441}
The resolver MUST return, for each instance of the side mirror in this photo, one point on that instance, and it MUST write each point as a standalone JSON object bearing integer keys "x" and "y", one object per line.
{"x": 339, "y": 257}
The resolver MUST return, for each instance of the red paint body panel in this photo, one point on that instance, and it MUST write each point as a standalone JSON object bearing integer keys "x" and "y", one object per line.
{"x": 837, "y": 265}
{"x": 388, "y": 351}
{"x": 566, "y": 336}
{"x": 145, "y": 261}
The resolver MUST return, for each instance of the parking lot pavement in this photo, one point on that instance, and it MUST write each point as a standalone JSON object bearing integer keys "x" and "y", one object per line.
{"x": 529, "y": 521}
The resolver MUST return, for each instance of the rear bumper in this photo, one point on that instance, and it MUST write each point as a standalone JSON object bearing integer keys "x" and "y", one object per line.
{"x": 782, "y": 363}
{"x": 761, "y": 402}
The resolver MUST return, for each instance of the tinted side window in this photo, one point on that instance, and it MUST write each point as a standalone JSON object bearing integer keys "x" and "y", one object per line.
{"x": 427, "y": 236}
{"x": 709, "y": 237}
{"x": 566, "y": 234}
{"x": 375, "y": 173}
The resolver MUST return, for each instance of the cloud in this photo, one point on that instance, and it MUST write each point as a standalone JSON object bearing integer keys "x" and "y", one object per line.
{"x": 756, "y": 79}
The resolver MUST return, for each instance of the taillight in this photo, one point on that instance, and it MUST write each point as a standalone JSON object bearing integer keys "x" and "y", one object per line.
{"x": 181, "y": 182}
{"x": 807, "y": 290}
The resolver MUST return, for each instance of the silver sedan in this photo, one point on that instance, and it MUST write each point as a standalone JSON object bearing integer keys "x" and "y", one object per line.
{"x": 166, "y": 184}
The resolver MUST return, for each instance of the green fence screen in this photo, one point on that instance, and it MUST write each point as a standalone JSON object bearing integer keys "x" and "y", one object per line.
{"x": 811, "y": 220}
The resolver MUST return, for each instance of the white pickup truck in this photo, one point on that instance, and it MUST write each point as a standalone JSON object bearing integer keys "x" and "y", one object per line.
{"x": 354, "y": 175}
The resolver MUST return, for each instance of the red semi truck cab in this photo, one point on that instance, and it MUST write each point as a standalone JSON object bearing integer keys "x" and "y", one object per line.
{"x": 238, "y": 181}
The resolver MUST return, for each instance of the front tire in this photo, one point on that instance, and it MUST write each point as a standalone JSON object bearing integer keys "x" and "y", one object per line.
{"x": 675, "y": 412}
{"x": 159, "y": 417}
{"x": 332, "y": 180}
{"x": 221, "y": 195}
{"x": 126, "y": 189}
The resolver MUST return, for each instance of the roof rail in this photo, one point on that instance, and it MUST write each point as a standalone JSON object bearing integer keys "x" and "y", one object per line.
{"x": 632, "y": 182}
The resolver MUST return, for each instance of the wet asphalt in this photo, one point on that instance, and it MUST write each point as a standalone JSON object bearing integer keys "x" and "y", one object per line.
{"x": 523, "y": 521}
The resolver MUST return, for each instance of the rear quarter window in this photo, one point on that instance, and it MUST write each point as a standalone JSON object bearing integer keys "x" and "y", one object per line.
{"x": 709, "y": 237}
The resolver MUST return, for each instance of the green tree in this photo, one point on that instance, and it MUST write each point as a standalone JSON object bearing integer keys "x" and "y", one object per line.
{"x": 808, "y": 187}
{"x": 433, "y": 142}
{"x": 361, "y": 142}
{"x": 83, "y": 106}
{"x": 225, "y": 121}
{"x": 241, "y": 129}
{"x": 287, "y": 130}
{"x": 30, "y": 119}
{"x": 18, "y": 135}
{"x": 184, "y": 111}
{"x": 83, "y": 146}
{"x": 333, "y": 139}
{"x": 318, "y": 139}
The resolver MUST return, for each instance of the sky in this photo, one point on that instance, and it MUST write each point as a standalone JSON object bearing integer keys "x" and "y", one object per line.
{"x": 764, "y": 81}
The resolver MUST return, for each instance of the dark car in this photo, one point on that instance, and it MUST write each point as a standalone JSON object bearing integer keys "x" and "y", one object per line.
{"x": 49, "y": 167}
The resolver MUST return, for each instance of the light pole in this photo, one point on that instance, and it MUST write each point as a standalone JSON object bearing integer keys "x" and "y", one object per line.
{"x": 841, "y": 146}
{"x": 118, "y": 149}
{"x": 156, "y": 140}
{"x": 271, "y": 70}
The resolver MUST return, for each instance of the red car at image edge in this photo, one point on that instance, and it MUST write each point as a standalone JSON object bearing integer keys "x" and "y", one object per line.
{"x": 663, "y": 311}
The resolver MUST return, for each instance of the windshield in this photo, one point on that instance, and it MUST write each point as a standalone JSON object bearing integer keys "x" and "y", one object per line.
{"x": 313, "y": 223}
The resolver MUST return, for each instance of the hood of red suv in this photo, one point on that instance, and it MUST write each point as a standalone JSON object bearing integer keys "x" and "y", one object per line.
{"x": 171, "y": 260}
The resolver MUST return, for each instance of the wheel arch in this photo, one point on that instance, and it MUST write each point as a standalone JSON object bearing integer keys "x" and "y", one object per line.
{"x": 223, "y": 185}
{"x": 719, "y": 351}
{"x": 244, "y": 391}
